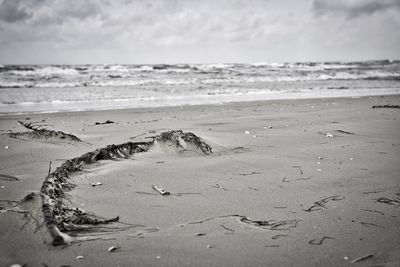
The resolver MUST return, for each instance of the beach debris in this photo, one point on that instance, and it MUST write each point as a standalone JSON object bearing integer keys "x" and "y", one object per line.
{"x": 246, "y": 132}
{"x": 220, "y": 187}
{"x": 6, "y": 147}
{"x": 61, "y": 219}
{"x": 200, "y": 234}
{"x": 210, "y": 246}
{"x": 184, "y": 141}
{"x": 268, "y": 127}
{"x": 6, "y": 177}
{"x": 18, "y": 265}
{"x": 106, "y": 122}
{"x": 373, "y": 192}
{"x": 367, "y": 224}
{"x": 319, "y": 241}
{"x": 251, "y": 173}
{"x": 344, "y": 132}
{"x": 38, "y": 132}
{"x": 2, "y": 187}
{"x": 252, "y": 188}
{"x": 386, "y": 106}
{"x": 329, "y": 135}
{"x": 264, "y": 224}
{"x": 362, "y": 258}
{"x": 389, "y": 201}
{"x": 322, "y": 203}
{"x": 278, "y": 236}
{"x": 376, "y": 211}
{"x": 80, "y": 257}
{"x": 161, "y": 190}
{"x": 240, "y": 149}
{"x": 96, "y": 184}
{"x": 227, "y": 228}
{"x": 113, "y": 248}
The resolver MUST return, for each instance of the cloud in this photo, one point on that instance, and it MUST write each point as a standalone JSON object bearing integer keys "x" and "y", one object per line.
{"x": 354, "y": 8}
{"x": 13, "y": 11}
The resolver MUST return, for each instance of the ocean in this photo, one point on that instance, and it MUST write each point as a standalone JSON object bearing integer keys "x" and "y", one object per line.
{"x": 56, "y": 88}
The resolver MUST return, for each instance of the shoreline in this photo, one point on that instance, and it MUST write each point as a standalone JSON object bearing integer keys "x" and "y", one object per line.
{"x": 306, "y": 182}
{"x": 281, "y": 97}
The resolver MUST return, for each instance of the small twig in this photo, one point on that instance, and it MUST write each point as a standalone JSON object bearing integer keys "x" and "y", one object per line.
{"x": 362, "y": 258}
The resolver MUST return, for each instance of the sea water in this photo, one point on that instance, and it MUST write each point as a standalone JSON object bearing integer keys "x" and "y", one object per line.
{"x": 53, "y": 88}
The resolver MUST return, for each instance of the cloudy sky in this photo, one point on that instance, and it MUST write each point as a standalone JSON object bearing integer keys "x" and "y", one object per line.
{"x": 190, "y": 31}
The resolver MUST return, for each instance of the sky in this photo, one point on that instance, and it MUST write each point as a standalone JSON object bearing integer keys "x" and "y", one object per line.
{"x": 197, "y": 31}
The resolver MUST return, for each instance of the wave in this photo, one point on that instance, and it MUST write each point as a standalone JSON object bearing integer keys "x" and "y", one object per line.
{"x": 62, "y": 76}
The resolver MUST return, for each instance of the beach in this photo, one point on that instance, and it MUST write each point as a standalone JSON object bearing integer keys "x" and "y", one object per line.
{"x": 302, "y": 182}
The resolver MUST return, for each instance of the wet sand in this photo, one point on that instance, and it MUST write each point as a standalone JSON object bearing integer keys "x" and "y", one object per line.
{"x": 289, "y": 183}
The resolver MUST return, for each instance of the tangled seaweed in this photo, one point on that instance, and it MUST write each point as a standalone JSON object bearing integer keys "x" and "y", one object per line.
{"x": 37, "y": 132}
{"x": 59, "y": 217}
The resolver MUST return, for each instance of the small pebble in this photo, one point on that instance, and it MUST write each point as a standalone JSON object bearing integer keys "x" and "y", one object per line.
{"x": 329, "y": 135}
{"x": 319, "y": 170}
{"x": 6, "y": 147}
{"x": 2, "y": 187}
{"x": 79, "y": 257}
{"x": 16, "y": 265}
{"x": 254, "y": 136}
{"x": 346, "y": 258}
{"x": 246, "y": 132}
{"x": 158, "y": 257}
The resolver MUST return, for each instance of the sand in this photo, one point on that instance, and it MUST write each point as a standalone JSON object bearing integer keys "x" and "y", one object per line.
{"x": 289, "y": 183}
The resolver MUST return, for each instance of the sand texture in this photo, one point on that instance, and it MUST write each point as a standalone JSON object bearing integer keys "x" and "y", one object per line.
{"x": 282, "y": 183}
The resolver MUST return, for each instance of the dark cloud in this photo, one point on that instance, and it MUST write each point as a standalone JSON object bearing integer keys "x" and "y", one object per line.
{"x": 13, "y": 11}
{"x": 354, "y": 8}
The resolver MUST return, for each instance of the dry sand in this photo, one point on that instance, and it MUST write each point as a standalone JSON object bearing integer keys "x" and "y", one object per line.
{"x": 273, "y": 161}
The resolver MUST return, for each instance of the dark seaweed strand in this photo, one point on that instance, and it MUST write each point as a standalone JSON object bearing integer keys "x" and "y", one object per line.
{"x": 59, "y": 217}
{"x": 42, "y": 132}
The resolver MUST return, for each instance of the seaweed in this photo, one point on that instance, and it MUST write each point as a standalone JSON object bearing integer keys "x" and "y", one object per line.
{"x": 386, "y": 106}
{"x": 60, "y": 218}
{"x": 264, "y": 224}
{"x": 38, "y": 132}
{"x": 322, "y": 203}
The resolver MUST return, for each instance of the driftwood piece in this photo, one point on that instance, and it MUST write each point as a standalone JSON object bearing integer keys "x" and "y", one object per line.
{"x": 37, "y": 132}
{"x": 60, "y": 218}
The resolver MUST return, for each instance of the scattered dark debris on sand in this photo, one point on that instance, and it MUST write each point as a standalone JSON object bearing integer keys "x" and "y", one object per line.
{"x": 362, "y": 258}
{"x": 322, "y": 203}
{"x": 376, "y": 211}
{"x": 319, "y": 242}
{"x": 102, "y": 123}
{"x": 9, "y": 178}
{"x": 38, "y": 132}
{"x": 251, "y": 173}
{"x": 344, "y": 132}
{"x": 278, "y": 236}
{"x": 389, "y": 201}
{"x": 373, "y": 192}
{"x": 270, "y": 224}
{"x": 285, "y": 179}
{"x": 59, "y": 217}
{"x": 367, "y": 224}
{"x": 386, "y": 106}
